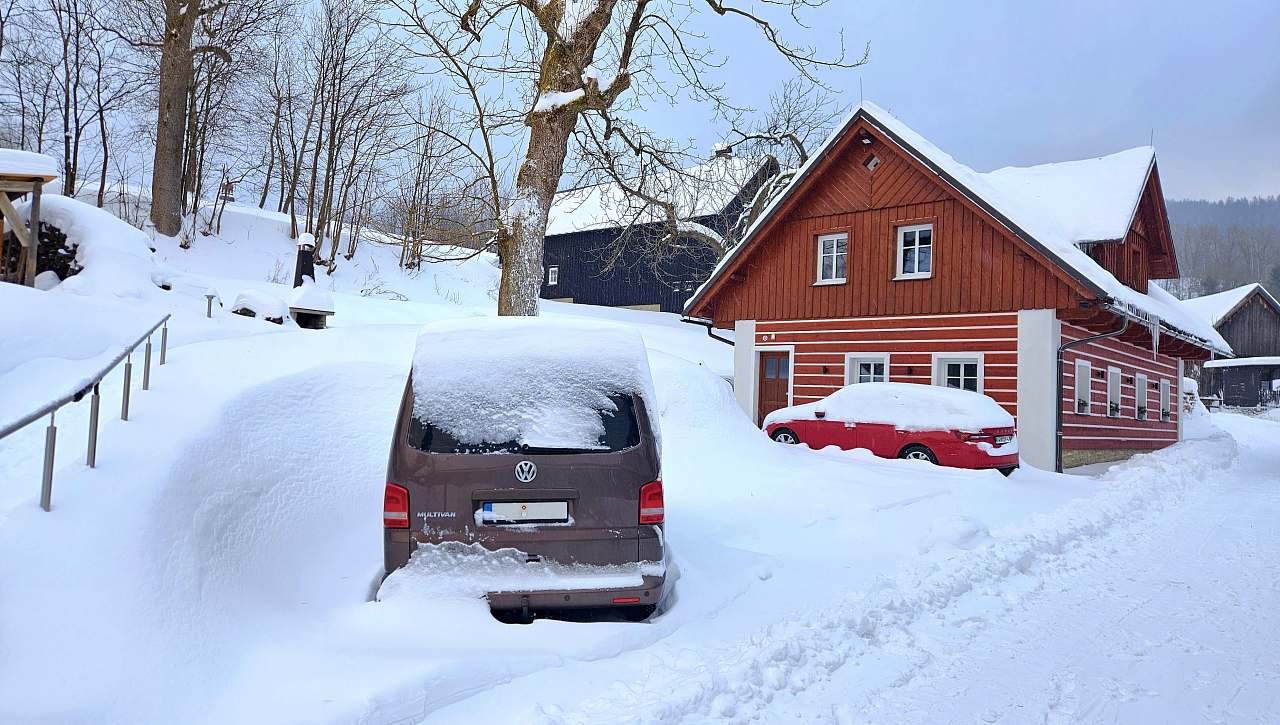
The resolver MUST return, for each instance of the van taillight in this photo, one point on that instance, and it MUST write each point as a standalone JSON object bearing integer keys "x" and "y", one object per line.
{"x": 395, "y": 507}
{"x": 651, "y": 511}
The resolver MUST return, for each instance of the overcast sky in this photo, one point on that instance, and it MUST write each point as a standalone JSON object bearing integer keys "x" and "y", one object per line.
{"x": 1017, "y": 82}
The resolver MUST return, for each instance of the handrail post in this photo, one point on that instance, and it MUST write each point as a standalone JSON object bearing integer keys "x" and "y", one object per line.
{"x": 164, "y": 341}
{"x": 124, "y": 400}
{"x": 146, "y": 366}
{"x": 46, "y": 481}
{"x": 94, "y": 402}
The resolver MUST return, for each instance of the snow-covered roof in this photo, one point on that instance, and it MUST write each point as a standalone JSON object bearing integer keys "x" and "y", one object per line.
{"x": 1237, "y": 362}
{"x": 1216, "y": 307}
{"x": 27, "y": 164}
{"x": 310, "y": 297}
{"x": 698, "y": 191}
{"x": 1054, "y": 207}
{"x": 906, "y": 405}
{"x": 533, "y": 380}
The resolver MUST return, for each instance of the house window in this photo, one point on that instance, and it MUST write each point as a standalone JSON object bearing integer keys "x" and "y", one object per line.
{"x": 915, "y": 251}
{"x": 1113, "y": 392}
{"x": 1165, "y": 412}
{"x": 1140, "y": 396}
{"x": 959, "y": 372}
{"x": 833, "y": 256}
{"x": 866, "y": 369}
{"x": 553, "y": 275}
{"x": 1084, "y": 382}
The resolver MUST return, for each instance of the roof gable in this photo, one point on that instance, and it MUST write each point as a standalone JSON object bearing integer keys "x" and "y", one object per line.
{"x": 1217, "y": 308}
{"x": 1102, "y": 196}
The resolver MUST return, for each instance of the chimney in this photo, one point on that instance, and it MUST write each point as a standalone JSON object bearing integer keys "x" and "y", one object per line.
{"x": 306, "y": 265}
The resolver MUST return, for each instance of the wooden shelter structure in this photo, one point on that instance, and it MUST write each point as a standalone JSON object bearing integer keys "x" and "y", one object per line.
{"x": 22, "y": 173}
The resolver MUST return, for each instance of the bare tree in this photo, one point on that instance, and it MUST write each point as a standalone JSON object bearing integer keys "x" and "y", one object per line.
{"x": 576, "y": 67}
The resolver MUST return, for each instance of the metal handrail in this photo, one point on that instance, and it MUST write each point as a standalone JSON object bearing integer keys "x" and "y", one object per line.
{"x": 51, "y": 408}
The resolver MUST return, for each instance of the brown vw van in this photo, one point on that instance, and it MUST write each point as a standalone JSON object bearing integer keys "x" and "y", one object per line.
{"x": 514, "y": 482}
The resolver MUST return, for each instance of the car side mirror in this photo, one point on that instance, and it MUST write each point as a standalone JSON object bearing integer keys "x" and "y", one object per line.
{"x": 819, "y": 414}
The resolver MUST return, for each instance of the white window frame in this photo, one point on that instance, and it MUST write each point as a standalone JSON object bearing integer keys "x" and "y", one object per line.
{"x": 836, "y": 238}
{"x": 901, "y": 234}
{"x": 1084, "y": 375}
{"x": 1166, "y": 412}
{"x": 553, "y": 275}
{"x": 852, "y": 359}
{"x": 1140, "y": 398}
{"x": 1115, "y": 391}
{"x": 940, "y": 361}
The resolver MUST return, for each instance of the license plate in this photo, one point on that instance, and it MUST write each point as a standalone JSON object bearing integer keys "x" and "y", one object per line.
{"x": 1001, "y": 440}
{"x": 524, "y": 512}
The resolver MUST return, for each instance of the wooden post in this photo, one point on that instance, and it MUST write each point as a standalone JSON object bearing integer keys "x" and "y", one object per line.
{"x": 34, "y": 226}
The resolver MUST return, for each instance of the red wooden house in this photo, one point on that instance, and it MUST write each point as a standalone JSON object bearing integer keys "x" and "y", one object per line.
{"x": 886, "y": 259}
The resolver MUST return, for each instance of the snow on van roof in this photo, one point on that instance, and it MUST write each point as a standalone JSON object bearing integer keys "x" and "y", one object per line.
{"x": 909, "y": 406}
{"x": 699, "y": 191}
{"x": 1059, "y": 205}
{"x": 536, "y": 381}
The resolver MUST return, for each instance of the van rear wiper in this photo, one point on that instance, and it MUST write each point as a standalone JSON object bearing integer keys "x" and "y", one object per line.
{"x": 539, "y": 450}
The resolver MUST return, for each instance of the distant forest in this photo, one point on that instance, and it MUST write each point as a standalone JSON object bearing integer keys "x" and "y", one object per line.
{"x": 1224, "y": 244}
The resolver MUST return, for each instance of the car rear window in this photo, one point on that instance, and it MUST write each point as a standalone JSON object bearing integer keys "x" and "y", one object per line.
{"x": 621, "y": 431}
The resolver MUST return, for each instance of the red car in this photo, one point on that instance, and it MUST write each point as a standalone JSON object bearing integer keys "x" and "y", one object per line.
{"x": 944, "y": 426}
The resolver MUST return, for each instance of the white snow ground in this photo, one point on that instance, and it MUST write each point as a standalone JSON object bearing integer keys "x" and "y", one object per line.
{"x": 217, "y": 565}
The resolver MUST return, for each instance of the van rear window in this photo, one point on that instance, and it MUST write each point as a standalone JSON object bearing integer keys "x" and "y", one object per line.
{"x": 621, "y": 431}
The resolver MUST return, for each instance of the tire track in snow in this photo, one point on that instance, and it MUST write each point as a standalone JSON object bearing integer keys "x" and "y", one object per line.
{"x": 735, "y": 682}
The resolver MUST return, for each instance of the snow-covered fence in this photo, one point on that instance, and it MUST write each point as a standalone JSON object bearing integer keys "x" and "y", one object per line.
{"x": 91, "y": 388}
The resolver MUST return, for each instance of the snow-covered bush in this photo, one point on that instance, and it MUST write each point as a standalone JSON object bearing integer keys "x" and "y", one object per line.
{"x": 256, "y": 303}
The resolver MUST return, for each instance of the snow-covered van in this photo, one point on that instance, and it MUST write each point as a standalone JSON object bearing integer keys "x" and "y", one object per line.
{"x": 536, "y": 436}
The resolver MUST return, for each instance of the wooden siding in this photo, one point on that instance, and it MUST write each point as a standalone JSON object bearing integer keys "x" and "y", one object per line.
{"x": 1099, "y": 431}
{"x": 582, "y": 257}
{"x": 820, "y": 347}
{"x": 1253, "y": 330}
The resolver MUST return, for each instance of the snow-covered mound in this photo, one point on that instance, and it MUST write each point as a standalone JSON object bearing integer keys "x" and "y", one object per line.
{"x": 113, "y": 259}
{"x": 261, "y": 304}
{"x": 526, "y": 379}
{"x": 906, "y": 405}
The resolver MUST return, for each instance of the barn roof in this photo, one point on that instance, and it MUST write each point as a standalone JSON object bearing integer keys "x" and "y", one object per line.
{"x": 1217, "y": 307}
{"x": 699, "y": 191}
{"x": 1053, "y": 207}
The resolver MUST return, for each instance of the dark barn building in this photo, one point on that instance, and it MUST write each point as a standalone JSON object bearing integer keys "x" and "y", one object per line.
{"x": 1248, "y": 318}
{"x": 583, "y": 228}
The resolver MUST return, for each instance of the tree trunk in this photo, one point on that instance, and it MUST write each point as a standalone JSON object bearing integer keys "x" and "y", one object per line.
{"x": 171, "y": 128}
{"x": 521, "y": 249}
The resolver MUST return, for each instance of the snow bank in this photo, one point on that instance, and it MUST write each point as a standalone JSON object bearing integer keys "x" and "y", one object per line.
{"x": 54, "y": 343}
{"x": 455, "y": 569}
{"x": 114, "y": 258}
{"x": 262, "y": 304}
{"x": 26, "y": 163}
{"x": 536, "y": 381}
{"x": 908, "y": 406}
{"x": 311, "y": 296}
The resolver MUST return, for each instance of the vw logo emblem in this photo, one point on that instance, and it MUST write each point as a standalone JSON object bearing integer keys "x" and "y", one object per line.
{"x": 526, "y": 471}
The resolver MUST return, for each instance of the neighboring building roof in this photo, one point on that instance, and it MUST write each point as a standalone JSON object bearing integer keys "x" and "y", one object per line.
{"x": 1217, "y": 307}
{"x": 27, "y": 164}
{"x": 699, "y": 191}
{"x": 1053, "y": 207}
{"x": 1241, "y": 362}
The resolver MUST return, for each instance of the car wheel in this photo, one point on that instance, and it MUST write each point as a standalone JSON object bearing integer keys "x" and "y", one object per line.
{"x": 638, "y": 614}
{"x": 918, "y": 453}
{"x": 785, "y": 435}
